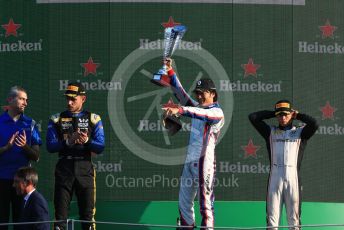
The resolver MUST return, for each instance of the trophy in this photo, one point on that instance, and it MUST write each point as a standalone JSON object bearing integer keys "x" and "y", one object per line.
{"x": 172, "y": 38}
{"x": 171, "y": 122}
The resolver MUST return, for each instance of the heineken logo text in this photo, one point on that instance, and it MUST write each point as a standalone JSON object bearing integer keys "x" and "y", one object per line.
{"x": 316, "y": 48}
{"x": 21, "y": 46}
{"x": 238, "y": 86}
{"x": 146, "y": 44}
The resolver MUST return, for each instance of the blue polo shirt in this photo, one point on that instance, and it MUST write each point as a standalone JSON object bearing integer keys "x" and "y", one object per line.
{"x": 15, "y": 157}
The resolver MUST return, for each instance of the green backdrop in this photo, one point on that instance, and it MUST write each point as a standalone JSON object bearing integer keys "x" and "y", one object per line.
{"x": 256, "y": 54}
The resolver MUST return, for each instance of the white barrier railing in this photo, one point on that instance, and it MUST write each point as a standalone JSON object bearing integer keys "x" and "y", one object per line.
{"x": 71, "y": 222}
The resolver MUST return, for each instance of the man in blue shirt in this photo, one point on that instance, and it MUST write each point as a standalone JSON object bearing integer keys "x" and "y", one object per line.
{"x": 76, "y": 135}
{"x": 19, "y": 143}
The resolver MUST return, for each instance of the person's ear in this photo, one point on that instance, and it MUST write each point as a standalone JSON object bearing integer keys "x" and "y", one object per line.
{"x": 83, "y": 98}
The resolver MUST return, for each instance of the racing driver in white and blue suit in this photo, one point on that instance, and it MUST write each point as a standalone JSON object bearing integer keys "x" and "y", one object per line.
{"x": 199, "y": 169}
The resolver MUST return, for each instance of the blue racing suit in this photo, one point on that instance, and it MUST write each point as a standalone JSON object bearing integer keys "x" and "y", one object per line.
{"x": 74, "y": 169}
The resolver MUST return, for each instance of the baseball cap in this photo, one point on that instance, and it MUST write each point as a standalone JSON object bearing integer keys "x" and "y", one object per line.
{"x": 75, "y": 89}
{"x": 283, "y": 106}
{"x": 204, "y": 85}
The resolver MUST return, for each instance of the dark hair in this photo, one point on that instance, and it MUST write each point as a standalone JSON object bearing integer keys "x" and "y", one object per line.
{"x": 214, "y": 92}
{"x": 27, "y": 175}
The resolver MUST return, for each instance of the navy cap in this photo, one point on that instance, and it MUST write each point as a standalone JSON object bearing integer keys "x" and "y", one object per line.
{"x": 283, "y": 106}
{"x": 204, "y": 85}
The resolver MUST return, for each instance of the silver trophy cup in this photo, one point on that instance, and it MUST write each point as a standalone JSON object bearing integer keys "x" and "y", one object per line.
{"x": 172, "y": 38}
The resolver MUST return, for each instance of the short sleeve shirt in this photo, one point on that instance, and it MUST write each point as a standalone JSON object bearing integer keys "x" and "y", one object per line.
{"x": 14, "y": 158}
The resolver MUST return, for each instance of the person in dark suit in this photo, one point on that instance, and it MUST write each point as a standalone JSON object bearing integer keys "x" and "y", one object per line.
{"x": 35, "y": 207}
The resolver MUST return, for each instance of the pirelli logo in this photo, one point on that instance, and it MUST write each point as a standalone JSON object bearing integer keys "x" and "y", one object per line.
{"x": 66, "y": 119}
{"x": 73, "y": 88}
{"x": 282, "y": 105}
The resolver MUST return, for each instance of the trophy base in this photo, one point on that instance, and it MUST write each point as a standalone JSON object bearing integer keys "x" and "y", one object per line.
{"x": 172, "y": 124}
{"x": 161, "y": 80}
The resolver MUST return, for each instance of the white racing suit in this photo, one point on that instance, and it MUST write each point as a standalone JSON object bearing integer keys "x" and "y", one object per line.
{"x": 199, "y": 169}
{"x": 286, "y": 146}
